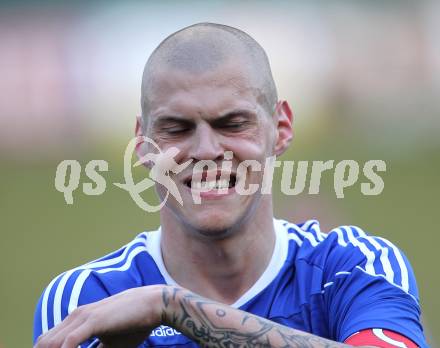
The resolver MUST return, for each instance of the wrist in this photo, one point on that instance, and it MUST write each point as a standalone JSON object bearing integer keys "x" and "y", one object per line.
{"x": 169, "y": 298}
{"x": 151, "y": 303}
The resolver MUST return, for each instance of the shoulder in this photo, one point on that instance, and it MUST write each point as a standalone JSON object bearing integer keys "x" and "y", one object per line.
{"x": 346, "y": 249}
{"x": 359, "y": 281}
{"x": 93, "y": 281}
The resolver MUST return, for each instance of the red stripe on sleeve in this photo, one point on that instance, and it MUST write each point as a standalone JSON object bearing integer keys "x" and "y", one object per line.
{"x": 380, "y": 338}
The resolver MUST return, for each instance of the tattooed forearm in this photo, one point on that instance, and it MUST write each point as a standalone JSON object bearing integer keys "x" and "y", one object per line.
{"x": 212, "y": 324}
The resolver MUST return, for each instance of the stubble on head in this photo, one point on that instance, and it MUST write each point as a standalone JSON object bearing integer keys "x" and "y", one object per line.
{"x": 203, "y": 48}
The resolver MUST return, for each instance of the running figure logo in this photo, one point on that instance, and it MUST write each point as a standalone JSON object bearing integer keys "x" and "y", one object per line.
{"x": 163, "y": 163}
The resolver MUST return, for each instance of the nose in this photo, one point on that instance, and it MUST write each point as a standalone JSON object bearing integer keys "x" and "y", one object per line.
{"x": 206, "y": 145}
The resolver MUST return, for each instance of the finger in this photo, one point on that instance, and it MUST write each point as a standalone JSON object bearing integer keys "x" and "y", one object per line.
{"x": 57, "y": 335}
{"x": 50, "y": 338}
{"x": 74, "y": 338}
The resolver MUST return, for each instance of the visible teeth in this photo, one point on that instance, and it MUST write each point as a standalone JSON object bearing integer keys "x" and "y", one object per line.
{"x": 209, "y": 185}
{"x": 221, "y": 184}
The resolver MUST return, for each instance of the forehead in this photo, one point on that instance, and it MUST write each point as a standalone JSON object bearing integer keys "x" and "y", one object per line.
{"x": 230, "y": 86}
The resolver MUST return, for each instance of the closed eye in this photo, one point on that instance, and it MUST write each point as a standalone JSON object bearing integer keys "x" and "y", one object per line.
{"x": 234, "y": 125}
{"x": 235, "y": 121}
{"x": 173, "y": 126}
{"x": 175, "y": 130}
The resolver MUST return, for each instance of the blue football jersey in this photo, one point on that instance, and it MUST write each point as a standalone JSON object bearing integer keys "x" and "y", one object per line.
{"x": 329, "y": 284}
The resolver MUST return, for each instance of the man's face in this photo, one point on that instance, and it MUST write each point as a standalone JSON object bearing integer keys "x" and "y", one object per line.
{"x": 205, "y": 115}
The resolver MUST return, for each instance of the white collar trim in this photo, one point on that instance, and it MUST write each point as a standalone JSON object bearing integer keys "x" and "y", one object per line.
{"x": 277, "y": 261}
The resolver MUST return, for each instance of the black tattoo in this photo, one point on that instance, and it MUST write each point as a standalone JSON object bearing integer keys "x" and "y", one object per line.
{"x": 220, "y": 312}
{"x": 195, "y": 318}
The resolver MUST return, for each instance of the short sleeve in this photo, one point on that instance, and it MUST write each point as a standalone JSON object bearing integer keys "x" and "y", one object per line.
{"x": 38, "y": 329}
{"x": 65, "y": 293}
{"x": 370, "y": 284}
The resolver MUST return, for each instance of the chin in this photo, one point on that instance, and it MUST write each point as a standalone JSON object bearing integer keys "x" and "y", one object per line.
{"x": 213, "y": 219}
{"x": 214, "y": 224}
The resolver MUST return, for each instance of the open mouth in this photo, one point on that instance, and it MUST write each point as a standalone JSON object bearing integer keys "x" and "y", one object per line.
{"x": 214, "y": 184}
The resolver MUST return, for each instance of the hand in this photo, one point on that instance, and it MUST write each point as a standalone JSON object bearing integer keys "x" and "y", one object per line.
{"x": 122, "y": 320}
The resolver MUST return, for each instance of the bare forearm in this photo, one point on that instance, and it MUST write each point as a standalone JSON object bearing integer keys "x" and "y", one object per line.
{"x": 212, "y": 324}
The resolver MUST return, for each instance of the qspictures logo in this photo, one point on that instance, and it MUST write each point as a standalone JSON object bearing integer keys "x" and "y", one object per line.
{"x": 218, "y": 178}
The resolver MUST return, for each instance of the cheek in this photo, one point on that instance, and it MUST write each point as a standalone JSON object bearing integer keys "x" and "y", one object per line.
{"x": 182, "y": 146}
{"x": 258, "y": 145}
{"x": 163, "y": 142}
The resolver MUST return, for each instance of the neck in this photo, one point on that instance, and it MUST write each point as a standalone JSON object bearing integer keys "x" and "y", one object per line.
{"x": 220, "y": 269}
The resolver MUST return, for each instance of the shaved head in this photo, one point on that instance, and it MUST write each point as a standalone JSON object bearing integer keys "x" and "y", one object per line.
{"x": 207, "y": 47}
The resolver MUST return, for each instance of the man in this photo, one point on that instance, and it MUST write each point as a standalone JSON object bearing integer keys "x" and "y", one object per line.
{"x": 225, "y": 273}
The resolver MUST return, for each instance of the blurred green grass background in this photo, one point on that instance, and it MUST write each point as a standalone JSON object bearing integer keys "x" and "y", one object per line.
{"x": 363, "y": 78}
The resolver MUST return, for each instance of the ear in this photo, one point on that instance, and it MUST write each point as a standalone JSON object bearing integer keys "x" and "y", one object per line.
{"x": 284, "y": 118}
{"x": 141, "y": 145}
